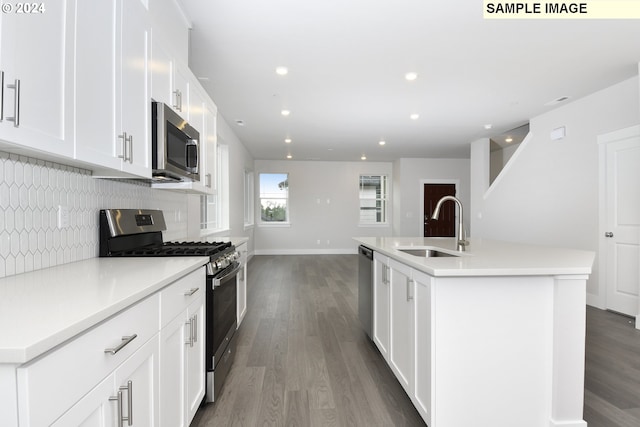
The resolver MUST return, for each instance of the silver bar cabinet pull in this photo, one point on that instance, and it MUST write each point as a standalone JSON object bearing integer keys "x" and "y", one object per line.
{"x": 123, "y": 137}
{"x": 130, "y": 149}
{"x": 189, "y": 341}
{"x": 118, "y": 399}
{"x": 195, "y": 328}
{"x": 409, "y": 283}
{"x": 125, "y": 340}
{"x": 1, "y": 95}
{"x": 129, "y": 389}
{"x": 190, "y": 292}
{"x": 16, "y": 106}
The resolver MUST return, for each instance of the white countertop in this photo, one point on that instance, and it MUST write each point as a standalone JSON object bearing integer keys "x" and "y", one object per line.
{"x": 484, "y": 257}
{"x": 44, "y": 308}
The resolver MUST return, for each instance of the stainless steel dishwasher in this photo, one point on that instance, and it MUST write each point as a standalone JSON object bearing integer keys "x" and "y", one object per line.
{"x": 365, "y": 288}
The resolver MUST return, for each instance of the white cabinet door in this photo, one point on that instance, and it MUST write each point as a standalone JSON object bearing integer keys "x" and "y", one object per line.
{"x": 402, "y": 292}
{"x": 241, "y": 308}
{"x": 36, "y": 63}
{"x": 195, "y": 367}
{"x": 182, "y": 349}
{"x": 423, "y": 332}
{"x": 180, "y": 90}
{"x": 95, "y": 409}
{"x": 112, "y": 99}
{"x": 209, "y": 144}
{"x": 172, "y": 368}
{"x": 161, "y": 70}
{"x": 137, "y": 380}
{"x": 135, "y": 102}
{"x": 381, "y": 301}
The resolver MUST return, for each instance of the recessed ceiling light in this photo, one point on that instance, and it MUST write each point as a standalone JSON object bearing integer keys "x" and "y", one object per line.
{"x": 285, "y": 112}
{"x": 382, "y": 142}
{"x": 288, "y": 140}
{"x": 289, "y": 156}
{"x": 488, "y": 126}
{"x": 240, "y": 122}
{"x": 363, "y": 157}
{"x": 557, "y": 101}
{"x": 414, "y": 116}
{"x": 411, "y": 76}
{"x": 509, "y": 139}
{"x": 282, "y": 71}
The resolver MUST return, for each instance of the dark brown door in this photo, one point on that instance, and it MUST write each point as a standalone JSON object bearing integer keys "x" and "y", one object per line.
{"x": 445, "y": 225}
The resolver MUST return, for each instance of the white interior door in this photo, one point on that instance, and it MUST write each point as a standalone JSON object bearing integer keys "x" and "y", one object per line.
{"x": 621, "y": 236}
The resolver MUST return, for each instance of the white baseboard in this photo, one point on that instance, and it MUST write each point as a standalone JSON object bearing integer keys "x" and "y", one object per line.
{"x": 337, "y": 251}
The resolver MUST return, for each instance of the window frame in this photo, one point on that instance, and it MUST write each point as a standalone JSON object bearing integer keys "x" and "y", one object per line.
{"x": 287, "y": 221}
{"x": 384, "y": 199}
{"x": 249, "y": 197}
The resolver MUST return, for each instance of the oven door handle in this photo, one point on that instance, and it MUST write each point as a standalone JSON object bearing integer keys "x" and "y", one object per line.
{"x": 218, "y": 280}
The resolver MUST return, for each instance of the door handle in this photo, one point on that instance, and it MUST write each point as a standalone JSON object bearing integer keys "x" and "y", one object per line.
{"x": 608, "y": 234}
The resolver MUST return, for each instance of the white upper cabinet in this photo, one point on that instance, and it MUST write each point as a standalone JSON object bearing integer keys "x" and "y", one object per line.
{"x": 113, "y": 101}
{"x": 36, "y": 61}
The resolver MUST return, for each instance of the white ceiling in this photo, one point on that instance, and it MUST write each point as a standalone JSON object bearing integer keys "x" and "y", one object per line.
{"x": 347, "y": 60}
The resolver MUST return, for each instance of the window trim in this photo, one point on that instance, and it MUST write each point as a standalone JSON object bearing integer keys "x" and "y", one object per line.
{"x": 274, "y": 224}
{"x": 385, "y": 200}
{"x": 249, "y": 199}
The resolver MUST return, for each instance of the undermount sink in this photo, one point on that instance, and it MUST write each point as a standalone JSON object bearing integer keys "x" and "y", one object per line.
{"x": 426, "y": 253}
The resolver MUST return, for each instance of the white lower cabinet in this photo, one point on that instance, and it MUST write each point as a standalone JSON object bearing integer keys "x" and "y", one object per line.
{"x": 182, "y": 356}
{"x": 402, "y": 328}
{"x": 144, "y": 366}
{"x": 381, "y": 303}
{"x": 402, "y": 312}
{"x": 241, "y": 308}
{"x": 423, "y": 386}
{"x": 54, "y": 383}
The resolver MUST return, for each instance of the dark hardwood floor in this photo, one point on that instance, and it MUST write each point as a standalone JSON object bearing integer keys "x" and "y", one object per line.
{"x": 302, "y": 359}
{"x": 612, "y": 371}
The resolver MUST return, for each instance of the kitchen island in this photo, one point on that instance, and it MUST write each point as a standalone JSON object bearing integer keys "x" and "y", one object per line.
{"x": 493, "y": 336}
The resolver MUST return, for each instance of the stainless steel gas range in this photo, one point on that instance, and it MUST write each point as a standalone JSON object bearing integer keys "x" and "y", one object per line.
{"x": 138, "y": 233}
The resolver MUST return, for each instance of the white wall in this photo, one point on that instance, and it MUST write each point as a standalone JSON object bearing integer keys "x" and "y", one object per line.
{"x": 239, "y": 161}
{"x": 548, "y": 193}
{"x": 408, "y": 178}
{"x": 323, "y": 206}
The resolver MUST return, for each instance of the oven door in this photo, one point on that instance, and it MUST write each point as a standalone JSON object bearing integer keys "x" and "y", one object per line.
{"x": 221, "y": 312}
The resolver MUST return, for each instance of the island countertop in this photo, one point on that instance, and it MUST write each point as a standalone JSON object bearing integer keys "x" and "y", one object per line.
{"x": 483, "y": 257}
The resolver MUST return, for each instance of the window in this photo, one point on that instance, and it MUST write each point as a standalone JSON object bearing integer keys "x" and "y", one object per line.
{"x": 214, "y": 208}
{"x": 373, "y": 199}
{"x": 274, "y": 198}
{"x": 248, "y": 198}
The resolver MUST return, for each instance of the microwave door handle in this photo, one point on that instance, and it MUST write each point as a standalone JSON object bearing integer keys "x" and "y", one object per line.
{"x": 191, "y": 145}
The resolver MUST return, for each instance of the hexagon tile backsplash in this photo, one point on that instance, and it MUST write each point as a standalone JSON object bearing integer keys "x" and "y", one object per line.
{"x": 31, "y": 192}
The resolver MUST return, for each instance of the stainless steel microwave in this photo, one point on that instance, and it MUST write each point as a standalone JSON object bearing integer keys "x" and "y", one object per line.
{"x": 175, "y": 146}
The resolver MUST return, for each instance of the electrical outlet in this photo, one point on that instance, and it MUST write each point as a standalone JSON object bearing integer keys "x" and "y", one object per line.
{"x": 63, "y": 217}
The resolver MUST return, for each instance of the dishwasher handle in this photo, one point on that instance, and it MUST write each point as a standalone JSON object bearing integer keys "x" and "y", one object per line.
{"x": 365, "y": 251}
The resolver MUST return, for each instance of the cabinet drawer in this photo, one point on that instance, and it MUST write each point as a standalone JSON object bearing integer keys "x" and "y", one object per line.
{"x": 51, "y": 384}
{"x": 176, "y": 297}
